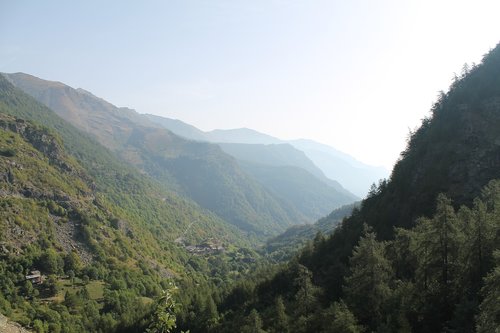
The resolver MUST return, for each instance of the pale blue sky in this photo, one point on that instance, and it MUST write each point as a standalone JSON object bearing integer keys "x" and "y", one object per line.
{"x": 353, "y": 74}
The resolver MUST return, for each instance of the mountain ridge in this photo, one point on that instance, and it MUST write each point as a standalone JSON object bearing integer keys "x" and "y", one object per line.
{"x": 194, "y": 169}
{"x": 353, "y": 175}
{"x": 422, "y": 245}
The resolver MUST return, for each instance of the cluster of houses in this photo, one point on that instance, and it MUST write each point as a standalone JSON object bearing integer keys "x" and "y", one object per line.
{"x": 205, "y": 248}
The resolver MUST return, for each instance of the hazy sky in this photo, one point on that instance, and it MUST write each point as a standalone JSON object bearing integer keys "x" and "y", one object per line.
{"x": 353, "y": 74}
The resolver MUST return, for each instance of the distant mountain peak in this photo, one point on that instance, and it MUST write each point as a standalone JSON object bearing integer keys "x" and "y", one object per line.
{"x": 355, "y": 176}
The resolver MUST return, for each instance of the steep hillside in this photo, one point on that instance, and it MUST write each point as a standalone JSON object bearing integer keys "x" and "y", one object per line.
{"x": 241, "y": 135}
{"x": 456, "y": 151}
{"x": 338, "y": 167}
{"x": 354, "y": 175}
{"x": 178, "y": 127}
{"x": 109, "y": 174}
{"x": 288, "y": 173}
{"x": 284, "y": 246}
{"x": 312, "y": 197}
{"x": 197, "y": 170}
{"x": 105, "y": 237}
{"x": 431, "y": 274}
{"x": 280, "y": 168}
{"x": 275, "y": 155}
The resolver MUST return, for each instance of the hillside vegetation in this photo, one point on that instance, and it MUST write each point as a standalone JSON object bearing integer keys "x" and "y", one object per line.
{"x": 196, "y": 170}
{"x": 73, "y": 211}
{"x": 337, "y": 169}
{"x": 421, "y": 253}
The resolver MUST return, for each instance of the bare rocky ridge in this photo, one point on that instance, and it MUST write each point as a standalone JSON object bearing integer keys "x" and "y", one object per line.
{"x": 67, "y": 236}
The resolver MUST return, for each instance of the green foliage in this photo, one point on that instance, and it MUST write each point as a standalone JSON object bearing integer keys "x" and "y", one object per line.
{"x": 439, "y": 266}
{"x": 488, "y": 319}
{"x": 342, "y": 319}
{"x": 427, "y": 279}
{"x": 51, "y": 262}
{"x": 284, "y": 246}
{"x": 252, "y": 323}
{"x": 281, "y": 319}
{"x": 367, "y": 286}
{"x": 7, "y": 152}
{"x": 164, "y": 319}
{"x": 89, "y": 216}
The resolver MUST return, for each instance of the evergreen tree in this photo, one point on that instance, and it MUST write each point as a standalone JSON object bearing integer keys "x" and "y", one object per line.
{"x": 51, "y": 262}
{"x": 210, "y": 314}
{"x": 306, "y": 302}
{"x": 253, "y": 323}
{"x": 367, "y": 287}
{"x": 436, "y": 243}
{"x": 280, "y": 318}
{"x": 341, "y": 320}
{"x": 488, "y": 319}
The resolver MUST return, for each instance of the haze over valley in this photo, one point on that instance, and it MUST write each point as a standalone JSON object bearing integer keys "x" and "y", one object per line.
{"x": 270, "y": 167}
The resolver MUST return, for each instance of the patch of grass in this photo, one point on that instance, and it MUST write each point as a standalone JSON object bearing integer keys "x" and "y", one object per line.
{"x": 96, "y": 290}
{"x": 146, "y": 300}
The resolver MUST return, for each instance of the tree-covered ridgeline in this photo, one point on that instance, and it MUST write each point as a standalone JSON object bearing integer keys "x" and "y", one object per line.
{"x": 441, "y": 275}
{"x": 439, "y": 254}
{"x": 101, "y": 235}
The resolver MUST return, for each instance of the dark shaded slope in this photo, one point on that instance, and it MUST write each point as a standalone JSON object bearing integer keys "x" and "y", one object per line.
{"x": 335, "y": 165}
{"x": 456, "y": 151}
{"x": 281, "y": 155}
{"x": 286, "y": 245}
{"x": 308, "y": 194}
{"x": 211, "y": 178}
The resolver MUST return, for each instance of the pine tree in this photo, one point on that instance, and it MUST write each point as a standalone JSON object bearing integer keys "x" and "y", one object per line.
{"x": 342, "y": 320}
{"x": 436, "y": 244}
{"x": 280, "y": 318}
{"x": 488, "y": 319}
{"x": 306, "y": 302}
{"x": 367, "y": 286}
{"x": 253, "y": 323}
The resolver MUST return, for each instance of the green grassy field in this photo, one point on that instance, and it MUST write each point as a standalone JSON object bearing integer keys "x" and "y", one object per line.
{"x": 95, "y": 289}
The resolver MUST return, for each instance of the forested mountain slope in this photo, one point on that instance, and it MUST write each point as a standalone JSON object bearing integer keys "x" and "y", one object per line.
{"x": 289, "y": 174}
{"x": 338, "y": 167}
{"x": 198, "y": 170}
{"x": 108, "y": 173}
{"x": 289, "y": 243}
{"x": 279, "y": 155}
{"x": 105, "y": 237}
{"x": 438, "y": 272}
{"x": 308, "y": 194}
{"x": 284, "y": 170}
